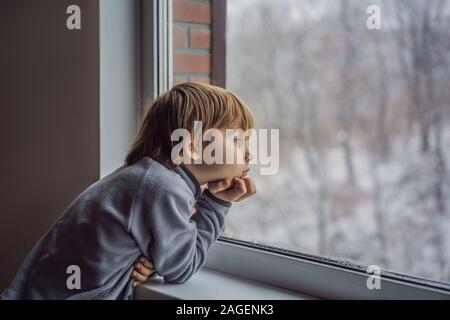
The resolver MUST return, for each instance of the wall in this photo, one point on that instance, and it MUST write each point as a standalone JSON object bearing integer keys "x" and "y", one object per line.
{"x": 192, "y": 40}
{"x": 49, "y": 97}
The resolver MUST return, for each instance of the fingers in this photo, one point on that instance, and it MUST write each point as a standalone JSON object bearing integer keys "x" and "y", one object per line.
{"x": 240, "y": 186}
{"x": 139, "y": 277}
{"x": 146, "y": 262}
{"x": 142, "y": 270}
{"x": 218, "y": 186}
{"x": 238, "y": 190}
{"x": 251, "y": 189}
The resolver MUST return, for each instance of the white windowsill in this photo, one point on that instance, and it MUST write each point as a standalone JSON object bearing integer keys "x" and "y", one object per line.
{"x": 208, "y": 284}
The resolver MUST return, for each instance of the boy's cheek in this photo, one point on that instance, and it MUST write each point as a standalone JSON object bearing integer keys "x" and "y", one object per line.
{"x": 220, "y": 171}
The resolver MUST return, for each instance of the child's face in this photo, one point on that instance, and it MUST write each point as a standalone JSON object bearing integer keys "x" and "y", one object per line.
{"x": 241, "y": 155}
{"x": 239, "y": 147}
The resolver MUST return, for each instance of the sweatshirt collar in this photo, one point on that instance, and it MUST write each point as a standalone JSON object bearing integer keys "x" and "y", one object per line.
{"x": 190, "y": 179}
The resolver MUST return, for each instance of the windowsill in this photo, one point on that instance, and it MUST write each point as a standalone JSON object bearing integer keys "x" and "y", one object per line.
{"x": 208, "y": 284}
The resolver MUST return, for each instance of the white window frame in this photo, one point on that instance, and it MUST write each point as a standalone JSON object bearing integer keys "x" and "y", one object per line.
{"x": 314, "y": 275}
{"x": 118, "y": 81}
{"x": 156, "y": 52}
{"x": 317, "y": 276}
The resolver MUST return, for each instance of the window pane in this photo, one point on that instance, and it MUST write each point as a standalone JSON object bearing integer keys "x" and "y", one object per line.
{"x": 364, "y": 124}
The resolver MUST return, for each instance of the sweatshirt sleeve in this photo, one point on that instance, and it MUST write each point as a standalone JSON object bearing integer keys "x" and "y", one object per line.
{"x": 161, "y": 226}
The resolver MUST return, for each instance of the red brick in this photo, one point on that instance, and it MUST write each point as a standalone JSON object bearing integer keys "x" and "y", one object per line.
{"x": 188, "y": 11}
{"x": 190, "y": 62}
{"x": 199, "y": 38}
{"x": 178, "y": 37}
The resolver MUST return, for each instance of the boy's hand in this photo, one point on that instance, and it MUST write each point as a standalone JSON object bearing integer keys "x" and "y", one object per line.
{"x": 233, "y": 191}
{"x": 143, "y": 268}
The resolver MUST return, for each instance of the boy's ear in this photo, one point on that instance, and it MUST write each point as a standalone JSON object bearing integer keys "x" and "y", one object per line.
{"x": 191, "y": 152}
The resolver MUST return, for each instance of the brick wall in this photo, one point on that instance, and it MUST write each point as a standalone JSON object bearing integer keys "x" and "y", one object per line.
{"x": 192, "y": 40}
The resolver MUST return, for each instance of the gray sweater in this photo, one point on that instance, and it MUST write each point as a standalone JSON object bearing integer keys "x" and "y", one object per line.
{"x": 141, "y": 209}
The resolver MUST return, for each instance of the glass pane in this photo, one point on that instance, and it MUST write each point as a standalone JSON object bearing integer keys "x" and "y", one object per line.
{"x": 363, "y": 117}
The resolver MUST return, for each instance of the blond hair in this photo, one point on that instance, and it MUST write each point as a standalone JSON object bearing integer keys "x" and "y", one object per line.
{"x": 178, "y": 108}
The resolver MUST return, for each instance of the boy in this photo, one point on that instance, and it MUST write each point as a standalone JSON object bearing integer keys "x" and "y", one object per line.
{"x": 144, "y": 207}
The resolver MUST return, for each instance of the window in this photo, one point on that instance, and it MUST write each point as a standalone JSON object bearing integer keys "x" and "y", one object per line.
{"x": 363, "y": 118}
{"x": 364, "y": 126}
